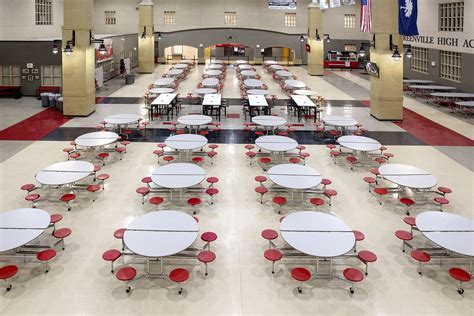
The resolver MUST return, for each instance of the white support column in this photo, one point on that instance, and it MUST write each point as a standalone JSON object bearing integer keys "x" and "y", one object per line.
{"x": 146, "y": 45}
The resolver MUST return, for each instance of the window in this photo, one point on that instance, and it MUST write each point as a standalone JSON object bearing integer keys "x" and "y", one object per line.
{"x": 450, "y": 66}
{"x": 10, "y": 75}
{"x": 44, "y": 12}
{"x": 451, "y": 17}
{"x": 419, "y": 61}
{"x": 230, "y": 19}
{"x": 349, "y": 21}
{"x": 51, "y": 75}
{"x": 110, "y": 18}
{"x": 290, "y": 19}
{"x": 350, "y": 47}
{"x": 169, "y": 18}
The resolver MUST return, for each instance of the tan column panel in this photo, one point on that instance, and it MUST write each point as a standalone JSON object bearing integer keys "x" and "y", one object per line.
{"x": 316, "y": 54}
{"x": 78, "y": 69}
{"x": 386, "y": 92}
{"x": 146, "y": 46}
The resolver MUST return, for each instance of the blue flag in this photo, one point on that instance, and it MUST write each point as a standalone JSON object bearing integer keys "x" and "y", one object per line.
{"x": 407, "y": 17}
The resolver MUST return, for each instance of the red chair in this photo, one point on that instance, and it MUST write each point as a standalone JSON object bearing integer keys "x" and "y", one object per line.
{"x": 371, "y": 181}
{"x": 111, "y": 255}
{"x": 67, "y": 198}
{"x": 421, "y": 257}
{"x": 168, "y": 159}
{"x": 280, "y": 201}
{"x": 265, "y": 161}
{"x": 7, "y": 272}
{"x": 212, "y": 181}
{"x": 380, "y": 192}
{"x": 353, "y": 275}
{"x": 302, "y": 275}
{"x": 269, "y": 234}
{"x": 408, "y": 203}
{"x": 456, "y": 273}
{"x": 304, "y": 156}
{"x": 54, "y": 219}
{"x": 206, "y": 257}
{"x": 325, "y": 182}
{"x": 211, "y": 155}
{"x": 179, "y": 276}
{"x": 273, "y": 255}
{"x": 334, "y": 154}
{"x": 118, "y": 234}
{"x": 300, "y": 148}
{"x": 375, "y": 172}
{"x": 158, "y": 153}
{"x": 61, "y": 234}
{"x": 93, "y": 188}
{"x": 359, "y": 236}
{"x": 444, "y": 190}
{"x": 366, "y": 257}
{"x": 441, "y": 201}
{"x": 156, "y": 200}
{"x": 120, "y": 151}
{"x": 211, "y": 192}
{"x": 388, "y": 156}
{"x": 294, "y": 160}
{"x": 380, "y": 160}
{"x": 404, "y": 236}
{"x": 68, "y": 151}
{"x": 411, "y": 221}
{"x": 352, "y": 160}
{"x": 45, "y": 256}
{"x": 329, "y": 193}
{"x": 28, "y": 188}
{"x": 33, "y": 198}
{"x": 317, "y": 202}
{"x": 249, "y": 147}
{"x": 143, "y": 191}
{"x": 261, "y": 190}
{"x": 126, "y": 274}
{"x": 208, "y": 237}
{"x": 102, "y": 177}
{"x": 147, "y": 181}
{"x": 197, "y": 160}
{"x": 261, "y": 179}
{"x": 103, "y": 156}
{"x": 96, "y": 169}
{"x": 193, "y": 202}
{"x": 75, "y": 156}
{"x": 251, "y": 155}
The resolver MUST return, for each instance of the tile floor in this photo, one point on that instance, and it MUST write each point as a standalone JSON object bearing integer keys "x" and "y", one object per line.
{"x": 240, "y": 280}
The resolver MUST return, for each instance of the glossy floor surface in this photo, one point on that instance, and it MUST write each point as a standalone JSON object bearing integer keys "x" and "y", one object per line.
{"x": 240, "y": 280}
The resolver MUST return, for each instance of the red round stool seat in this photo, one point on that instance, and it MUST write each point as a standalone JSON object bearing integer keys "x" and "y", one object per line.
{"x": 251, "y": 154}
{"x": 381, "y": 191}
{"x": 179, "y": 275}
{"x": 119, "y": 233}
{"x": 441, "y": 200}
{"x": 146, "y": 180}
{"x": 370, "y": 180}
{"x": 97, "y": 168}
{"x": 209, "y": 237}
{"x": 273, "y": 254}
{"x": 197, "y": 160}
{"x": 331, "y": 146}
{"x": 261, "y": 190}
{"x": 301, "y": 274}
{"x": 280, "y": 200}
{"x": 194, "y": 201}
{"x": 269, "y": 234}
{"x": 265, "y": 160}
{"x": 213, "y": 146}
{"x": 68, "y": 197}
{"x": 56, "y": 218}
{"x": 156, "y": 200}
{"x": 260, "y": 179}
{"x": 403, "y": 235}
{"x": 326, "y": 181}
{"x": 353, "y": 275}
{"x": 103, "y": 177}
{"x": 126, "y": 274}
{"x": 300, "y": 147}
{"x": 32, "y": 197}
{"x": 316, "y": 201}
{"x": 111, "y": 255}
{"x": 359, "y": 236}
{"x": 294, "y": 160}
{"x": 410, "y": 220}
{"x": 168, "y": 158}
{"x": 375, "y": 171}
{"x": 212, "y": 191}
{"x": 62, "y": 233}
{"x": 93, "y": 188}
{"x": 206, "y": 256}
{"x": 334, "y": 153}
{"x": 75, "y": 155}
{"x": 367, "y": 256}
{"x": 407, "y": 201}
{"x": 46, "y": 255}
{"x": 7, "y": 272}
{"x": 421, "y": 256}
{"x": 330, "y": 192}
{"x": 444, "y": 190}
{"x": 103, "y": 155}
{"x": 27, "y": 187}
{"x": 212, "y": 180}
{"x": 460, "y": 275}
{"x": 249, "y": 147}
{"x": 380, "y": 160}
{"x": 142, "y": 190}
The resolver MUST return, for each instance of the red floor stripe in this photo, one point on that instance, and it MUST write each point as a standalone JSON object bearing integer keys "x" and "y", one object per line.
{"x": 35, "y": 127}
{"x": 429, "y": 132}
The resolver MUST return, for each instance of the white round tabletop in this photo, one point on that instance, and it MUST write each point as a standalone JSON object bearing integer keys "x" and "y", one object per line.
{"x": 452, "y": 95}
{"x": 178, "y": 175}
{"x": 186, "y": 141}
{"x": 248, "y": 73}
{"x": 417, "y": 81}
{"x": 194, "y": 119}
{"x": 174, "y": 72}
{"x": 276, "y": 67}
{"x": 463, "y": 103}
{"x": 253, "y": 83}
{"x": 429, "y": 87}
{"x": 210, "y": 82}
{"x": 268, "y": 120}
{"x": 450, "y": 231}
{"x": 213, "y": 72}
{"x": 270, "y": 62}
{"x": 408, "y": 176}
{"x": 186, "y": 61}
{"x": 295, "y": 83}
{"x": 308, "y": 93}
{"x": 342, "y": 121}
{"x": 359, "y": 143}
{"x": 161, "y": 90}
{"x": 121, "y": 119}
{"x": 97, "y": 139}
{"x": 181, "y": 66}
{"x": 294, "y": 176}
{"x": 161, "y": 234}
{"x": 64, "y": 172}
{"x": 20, "y": 226}
{"x": 276, "y": 143}
{"x": 240, "y": 61}
{"x": 205, "y": 91}
{"x": 215, "y": 66}
{"x": 317, "y": 234}
{"x": 283, "y": 73}
{"x": 164, "y": 81}
{"x": 258, "y": 92}
{"x": 217, "y": 61}
{"x": 244, "y": 66}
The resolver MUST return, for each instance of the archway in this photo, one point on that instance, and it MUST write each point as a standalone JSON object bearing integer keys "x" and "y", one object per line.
{"x": 280, "y": 54}
{"x": 229, "y": 52}
{"x": 176, "y": 53}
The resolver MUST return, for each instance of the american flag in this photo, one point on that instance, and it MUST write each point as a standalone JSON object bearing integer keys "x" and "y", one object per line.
{"x": 366, "y": 16}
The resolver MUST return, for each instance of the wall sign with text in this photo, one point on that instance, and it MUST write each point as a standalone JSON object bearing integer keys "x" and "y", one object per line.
{"x": 458, "y": 44}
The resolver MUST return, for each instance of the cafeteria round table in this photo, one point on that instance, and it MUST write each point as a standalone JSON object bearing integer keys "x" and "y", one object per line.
{"x": 258, "y": 92}
{"x": 248, "y": 73}
{"x": 408, "y": 176}
{"x": 180, "y": 66}
{"x": 454, "y": 95}
{"x": 186, "y": 142}
{"x": 213, "y": 73}
{"x": 294, "y": 176}
{"x": 359, "y": 143}
{"x": 240, "y": 61}
{"x": 450, "y": 231}
{"x": 270, "y": 62}
{"x": 317, "y": 234}
{"x": 161, "y": 90}
{"x": 210, "y": 82}
{"x": 203, "y": 91}
{"x": 178, "y": 175}
{"x": 63, "y": 173}
{"x": 268, "y": 120}
{"x": 276, "y": 143}
{"x": 97, "y": 139}
{"x": 121, "y": 119}
{"x": 215, "y": 66}
{"x": 430, "y": 87}
{"x": 20, "y": 226}
{"x": 297, "y": 84}
{"x": 276, "y": 67}
{"x": 284, "y": 74}
{"x": 217, "y": 61}
{"x": 339, "y": 121}
{"x": 244, "y": 67}
{"x": 253, "y": 83}
{"x": 417, "y": 81}
{"x": 186, "y": 61}
{"x": 194, "y": 120}
{"x": 463, "y": 103}
{"x": 308, "y": 93}
{"x": 163, "y": 81}
{"x": 174, "y": 72}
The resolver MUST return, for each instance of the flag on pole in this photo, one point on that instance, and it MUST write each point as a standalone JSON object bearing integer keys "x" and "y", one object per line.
{"x": 366, "y": 16}
{"x": 407, "y": 17}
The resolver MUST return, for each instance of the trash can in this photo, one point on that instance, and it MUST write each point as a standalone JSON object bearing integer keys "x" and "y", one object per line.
{"x": 45, "y": 99}
{"x": 52, "y": 100}
{"x": 59, "y": 104}
{"x": 129, "y": 79}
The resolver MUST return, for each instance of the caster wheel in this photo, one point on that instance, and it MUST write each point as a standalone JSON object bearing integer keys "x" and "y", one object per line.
{"x": 366, "y": 273}
{"x": 180, "y": 291}
{"x": 300, "y": 290}
{"x": 419, "y": 273}
{"x": 68, "y": 209}
{"x": 403, "y": 250}
{"x": 9, "y": 287}
{"x": 460, "y": 291}
{"x": 128, "y": 289}
{"x": 408, "y": 213}
{"x": 46, "y": 271}
{"x": 351, "y": 290}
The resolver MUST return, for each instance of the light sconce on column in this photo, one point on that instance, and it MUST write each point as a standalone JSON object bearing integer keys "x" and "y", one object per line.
{"x": 301, "y": 38}
{"x": 370, "y": 44}
{"x": 159, "y": 36}
{"x": 396, "y": 54}
{"x": 144, "y": 33}
{"x": 102, "y": 48}
{"x": 68, "y": 49}
{"x": 56, "y": 44}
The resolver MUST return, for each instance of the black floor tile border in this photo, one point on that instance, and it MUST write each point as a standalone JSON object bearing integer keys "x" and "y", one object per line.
{"x": 237, "y": 136}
